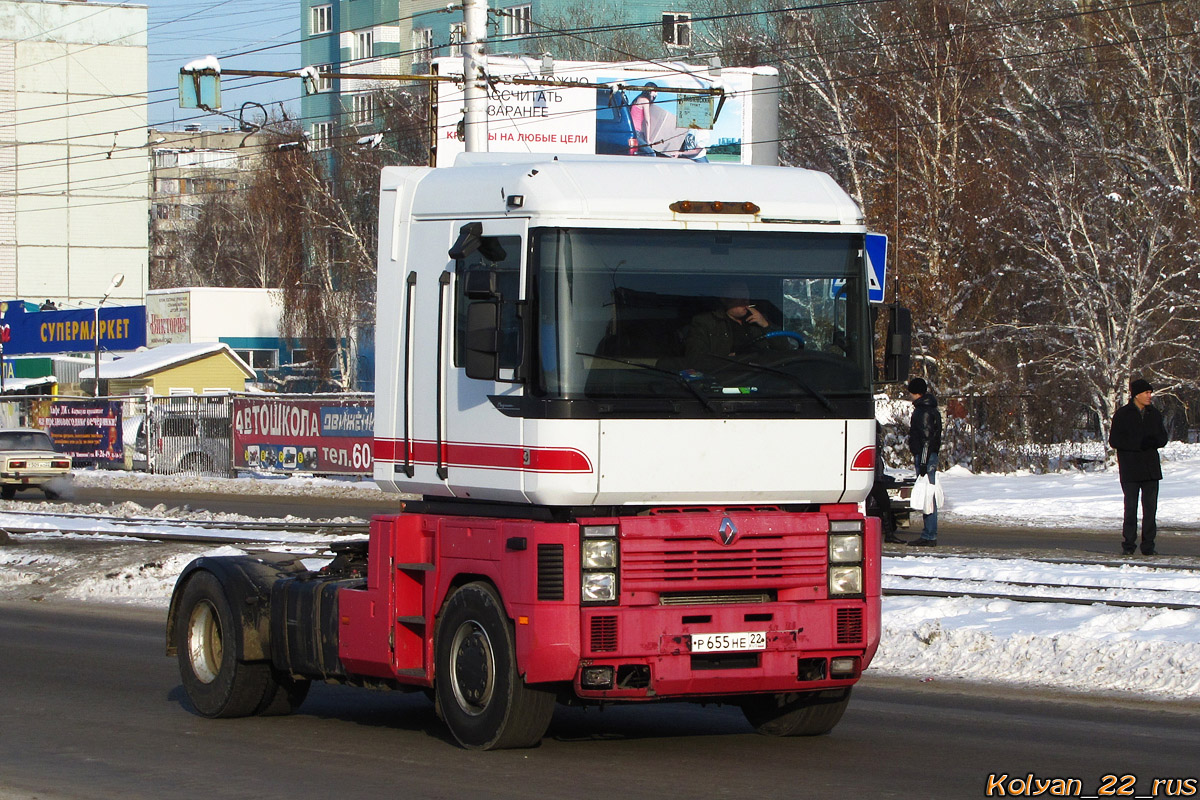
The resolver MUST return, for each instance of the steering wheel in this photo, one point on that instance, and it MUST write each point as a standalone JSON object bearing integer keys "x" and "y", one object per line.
{"x": 792, "y": 335}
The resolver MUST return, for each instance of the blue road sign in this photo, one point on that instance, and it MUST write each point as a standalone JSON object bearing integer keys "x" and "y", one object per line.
{"x": 876, "y": 266}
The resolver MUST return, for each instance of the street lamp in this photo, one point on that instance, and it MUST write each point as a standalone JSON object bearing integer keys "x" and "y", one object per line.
{"x": 116, "y": 281}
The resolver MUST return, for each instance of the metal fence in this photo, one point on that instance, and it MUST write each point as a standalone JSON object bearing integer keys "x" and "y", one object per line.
{"x": 1043, "y": 433}
{"x": 185, "y": 434}
{"x": 195, "y": 434}
{"x": 188, "y": 434}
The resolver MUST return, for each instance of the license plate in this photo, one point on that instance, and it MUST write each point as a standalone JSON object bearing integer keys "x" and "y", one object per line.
{"x": 720, "y": 642}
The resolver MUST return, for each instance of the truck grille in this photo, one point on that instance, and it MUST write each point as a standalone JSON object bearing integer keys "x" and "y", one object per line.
{"x": 550, "y": 583}
{"x": 604, "y": 634}
{"x": 698, "y": 563}
{"x": 849, "y": 625}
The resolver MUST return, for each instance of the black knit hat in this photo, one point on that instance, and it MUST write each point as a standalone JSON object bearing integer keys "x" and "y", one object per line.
{"x": 1139, "y": 385}
{"x": 918, "y": 386}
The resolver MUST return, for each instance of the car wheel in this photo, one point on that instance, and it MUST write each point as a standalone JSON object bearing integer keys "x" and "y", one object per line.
{"x": 8, "y": 492}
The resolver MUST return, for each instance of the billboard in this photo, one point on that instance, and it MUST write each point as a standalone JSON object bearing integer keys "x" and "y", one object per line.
{"x": 121, "y": 328}
{"x": 624, "y": 108}
{"x": 90, "y": 430}
{"x": 168, "y": 318}
{"x": 279, "y": 434}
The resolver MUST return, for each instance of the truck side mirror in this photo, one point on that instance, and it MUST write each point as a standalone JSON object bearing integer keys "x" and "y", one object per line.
{"x": 897, "y": 353}
{"x": 471, "y": 239}
{"x": 483, "y": 340}
{"x": 481, "y": 284}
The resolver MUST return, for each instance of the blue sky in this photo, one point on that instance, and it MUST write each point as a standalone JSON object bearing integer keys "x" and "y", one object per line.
{"x": 247, "y": 34}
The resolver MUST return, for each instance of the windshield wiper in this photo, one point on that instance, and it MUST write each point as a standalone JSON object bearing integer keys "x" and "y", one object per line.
{"x": 687, "y": 384}
{"x": 796, "y": 379}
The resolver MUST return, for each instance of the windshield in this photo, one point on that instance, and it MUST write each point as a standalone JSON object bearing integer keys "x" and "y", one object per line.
{"x": 25, "y": 440}
{"x": 704, "y": 314}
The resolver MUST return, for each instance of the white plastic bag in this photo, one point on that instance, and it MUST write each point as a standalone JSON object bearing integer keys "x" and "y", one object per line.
{"x": 926, "y": 498}
{"x": 920, "y": 491}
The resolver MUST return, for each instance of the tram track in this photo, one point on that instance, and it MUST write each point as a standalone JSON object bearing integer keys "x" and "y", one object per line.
{"x": 174, "y": 529}
{"x": 1030, "y": 598}
{"x": 903, "y": 577}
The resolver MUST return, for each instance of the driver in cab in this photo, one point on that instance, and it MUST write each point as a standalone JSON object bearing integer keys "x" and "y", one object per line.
{"x": 736, "y": 327}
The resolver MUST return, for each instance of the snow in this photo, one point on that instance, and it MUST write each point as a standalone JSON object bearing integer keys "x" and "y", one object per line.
{"x": 208, "y": 63}
{"x": 1090, "y": 647}
{"x": 159, "y": 358}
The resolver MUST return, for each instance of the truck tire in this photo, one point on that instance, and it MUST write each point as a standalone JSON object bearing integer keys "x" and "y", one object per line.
{"x": 207, "y": 641}
{"x": 482, "y": 699}
{"x": 796, "y": 714}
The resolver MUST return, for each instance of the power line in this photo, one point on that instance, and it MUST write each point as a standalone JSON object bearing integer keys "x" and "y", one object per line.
{"x": 912, "y": 72}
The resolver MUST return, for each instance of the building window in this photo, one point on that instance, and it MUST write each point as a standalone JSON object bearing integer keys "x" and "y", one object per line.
{"x": 363, "y": 46}
{"x": 321, "y": 20}
{"x": 457, "y": 34}
{"x": 259, "y": 359}
{"x": 677, "y": 29}
{"x": 363, "y": 109}
{"x": 324, "y": 84}
{"x": 422, "y": 45}
{"x": 321, "y": 137}
{"x": 518, "y": 21}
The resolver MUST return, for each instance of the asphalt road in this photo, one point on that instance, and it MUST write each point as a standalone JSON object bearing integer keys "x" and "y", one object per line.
{"x": 91, "y": 708}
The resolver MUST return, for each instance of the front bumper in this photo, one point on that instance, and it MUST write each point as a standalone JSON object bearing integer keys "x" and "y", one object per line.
{"x": 650, "y": 650}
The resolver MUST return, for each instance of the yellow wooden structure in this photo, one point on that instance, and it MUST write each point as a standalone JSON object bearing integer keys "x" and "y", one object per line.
{"x": 183, "y": 368}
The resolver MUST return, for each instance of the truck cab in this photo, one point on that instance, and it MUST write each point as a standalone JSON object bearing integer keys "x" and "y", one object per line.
{"x": 541, "y": 345}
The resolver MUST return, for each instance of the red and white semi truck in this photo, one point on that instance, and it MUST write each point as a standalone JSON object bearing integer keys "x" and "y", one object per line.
{"x": 631, "y": 489}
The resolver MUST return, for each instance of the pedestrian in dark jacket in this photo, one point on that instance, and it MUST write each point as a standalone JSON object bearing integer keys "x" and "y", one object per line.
{"x": 879, "y": 502}
{"x": 1136, "y": 434}
{"x": 924, "y": 441}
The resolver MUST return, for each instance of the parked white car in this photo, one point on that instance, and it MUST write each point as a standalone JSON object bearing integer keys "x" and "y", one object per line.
{"x": 28, "y": 460}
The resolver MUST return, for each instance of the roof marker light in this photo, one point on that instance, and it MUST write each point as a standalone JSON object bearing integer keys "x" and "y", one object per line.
{"x": 714, "y": 207}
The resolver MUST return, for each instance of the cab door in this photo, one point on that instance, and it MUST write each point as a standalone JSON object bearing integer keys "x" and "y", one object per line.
{"x": 482, "y": 449}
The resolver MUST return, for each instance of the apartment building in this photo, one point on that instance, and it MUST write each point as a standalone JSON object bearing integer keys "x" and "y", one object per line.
{"x": 73, "y": 161}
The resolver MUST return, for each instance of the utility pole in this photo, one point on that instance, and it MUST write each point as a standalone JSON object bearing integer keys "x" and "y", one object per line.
{"x": 475, "y": 133}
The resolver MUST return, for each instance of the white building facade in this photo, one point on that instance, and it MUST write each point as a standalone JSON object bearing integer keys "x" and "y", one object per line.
{"x": 73, "y": 161}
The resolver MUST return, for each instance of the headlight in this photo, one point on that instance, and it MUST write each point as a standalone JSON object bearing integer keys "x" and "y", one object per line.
{"x": 845, "y": 580}
{"x": 599, "y": 563}
{"x": 845, "y": 548}
{"x": 599, "y": 553}
{"x": 599, "y": 587}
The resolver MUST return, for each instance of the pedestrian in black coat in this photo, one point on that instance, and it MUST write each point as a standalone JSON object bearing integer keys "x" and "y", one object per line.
{"x": 1136, "y": 434}
{"x": 924, "y": 442}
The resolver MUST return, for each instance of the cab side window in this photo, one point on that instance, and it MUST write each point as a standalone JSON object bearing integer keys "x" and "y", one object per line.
{"x": 508, "y": 282}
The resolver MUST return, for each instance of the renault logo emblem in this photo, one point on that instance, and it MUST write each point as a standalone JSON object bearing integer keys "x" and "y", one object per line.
{"x": 728, "y": 531}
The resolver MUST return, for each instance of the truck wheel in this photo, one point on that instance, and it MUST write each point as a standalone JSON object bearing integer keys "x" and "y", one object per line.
{"x": 206, "y": 630}
{"x": 482, "y": 699}
{"x": 803, "y": 714}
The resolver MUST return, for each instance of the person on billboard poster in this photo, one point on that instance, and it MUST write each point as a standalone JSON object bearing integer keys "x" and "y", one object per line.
{"x": 640, "y": 112}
